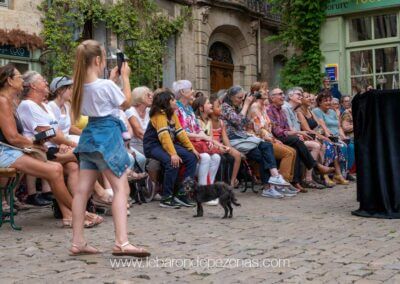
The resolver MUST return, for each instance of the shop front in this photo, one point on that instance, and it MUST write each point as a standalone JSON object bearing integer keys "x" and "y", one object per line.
{"x": 360, "y": 41}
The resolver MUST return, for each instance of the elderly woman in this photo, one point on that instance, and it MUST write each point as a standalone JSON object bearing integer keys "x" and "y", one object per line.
{"x": 208, "y": 163}
{"x": 234, "y": 115}
{"x": 261, "y": 126}
{"x": 36, "y": 117}
{"x": 327, "y": 115}
{"x": 11, "y": 130}
{"x": 332, "y": 154}
{"x": 139, "y": 118}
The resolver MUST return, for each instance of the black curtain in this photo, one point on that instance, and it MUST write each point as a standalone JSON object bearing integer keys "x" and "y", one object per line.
{"x": 376, "y": 118}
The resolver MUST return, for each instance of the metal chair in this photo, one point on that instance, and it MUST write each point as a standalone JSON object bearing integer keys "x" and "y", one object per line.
{"x": 13, "y": 177}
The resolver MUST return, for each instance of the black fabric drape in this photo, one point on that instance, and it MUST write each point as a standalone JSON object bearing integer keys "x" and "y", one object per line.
{"x": 376, "y": 118}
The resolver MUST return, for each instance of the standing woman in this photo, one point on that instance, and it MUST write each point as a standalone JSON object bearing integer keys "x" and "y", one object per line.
{"x": 101, "y": 147}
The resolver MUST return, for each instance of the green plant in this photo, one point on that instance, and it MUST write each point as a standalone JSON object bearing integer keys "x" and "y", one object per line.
{"x": 138, "y": 21}
{"x": 300, "y": 29}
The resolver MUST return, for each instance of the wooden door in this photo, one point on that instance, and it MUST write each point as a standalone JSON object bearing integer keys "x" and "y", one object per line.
{"x": 221, "y": 76}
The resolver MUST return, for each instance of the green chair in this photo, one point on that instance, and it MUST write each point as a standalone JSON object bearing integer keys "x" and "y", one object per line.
{"x": 13, "y": 178}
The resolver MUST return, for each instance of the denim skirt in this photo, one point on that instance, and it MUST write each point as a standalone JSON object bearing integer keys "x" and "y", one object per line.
{"x": 8, "y": 156}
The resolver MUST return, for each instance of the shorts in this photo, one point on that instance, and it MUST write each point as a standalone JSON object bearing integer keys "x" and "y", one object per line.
{"x": 9, "y": 156}
{"x": 92, "y": 161}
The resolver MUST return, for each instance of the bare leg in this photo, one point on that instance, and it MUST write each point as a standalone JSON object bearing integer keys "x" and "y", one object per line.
{"x": 236, "y": 166}
{"x": 121, "y": 189}
{"x": 87, "y": 178}
{"x": 31, "y": 184}
{"x": 53, "y": 172}
{"x": 71, "y": 169}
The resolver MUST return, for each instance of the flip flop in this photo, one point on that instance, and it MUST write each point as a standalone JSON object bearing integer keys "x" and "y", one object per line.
{"x": 138, "y": 252}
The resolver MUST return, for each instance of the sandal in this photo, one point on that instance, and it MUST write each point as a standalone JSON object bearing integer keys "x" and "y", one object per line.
{"x": 138, "y": 252}
{"x": 311, "y": 184}
{"x": 97, "y": 200}
{"x": 136, "y": 176}
{"x": 67, "y": 223}
{"x": 96, "y": 219}
{"x": 83, "y": 250}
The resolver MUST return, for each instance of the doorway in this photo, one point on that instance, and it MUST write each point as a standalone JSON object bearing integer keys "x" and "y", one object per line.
{"x": 221, "y": 67}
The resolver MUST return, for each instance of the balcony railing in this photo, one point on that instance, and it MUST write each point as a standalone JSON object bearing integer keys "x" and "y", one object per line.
{"x": 263, "y": 8}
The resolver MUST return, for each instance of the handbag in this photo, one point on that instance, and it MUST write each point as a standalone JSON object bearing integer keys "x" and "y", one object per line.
{"x": 33, "y": 152}
{"x": 245, "y": 145}
{"x": 202, "y": 146}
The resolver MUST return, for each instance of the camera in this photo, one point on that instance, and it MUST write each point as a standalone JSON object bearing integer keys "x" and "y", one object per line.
{"x": 334, "y": 139}
{"x": 120, "y": 60}
{"x": 257, "y": 95}
{"x": 44, "y": 135}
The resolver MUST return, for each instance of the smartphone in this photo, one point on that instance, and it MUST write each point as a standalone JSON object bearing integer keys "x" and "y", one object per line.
{"x": 120, "y": 60}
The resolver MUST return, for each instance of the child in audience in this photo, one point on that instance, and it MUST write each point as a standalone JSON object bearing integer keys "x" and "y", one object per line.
{"x": 166, "y": 141}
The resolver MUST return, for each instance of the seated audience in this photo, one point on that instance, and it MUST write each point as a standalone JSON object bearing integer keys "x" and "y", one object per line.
{"x": 11, "y": 130}
{"x": 234, "y": 116}
{"x": 345, "y": 103}
{"x": 325, "y": 113}
{"x": 292, "y": 138}
{"x": 260, "y": 125}
{"x": 166, "y": 141}
{"x": 209, "y": 161}
{"x": 208, "y": 116}
{"x": 332, "y": 153}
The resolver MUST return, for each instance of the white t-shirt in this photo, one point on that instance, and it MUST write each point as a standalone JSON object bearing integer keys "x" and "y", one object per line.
{"x": 136, "y": 142}
{"x": 101, "y": 98}
{"x": 33, "y": 116}
{"x": 64, "y": 120}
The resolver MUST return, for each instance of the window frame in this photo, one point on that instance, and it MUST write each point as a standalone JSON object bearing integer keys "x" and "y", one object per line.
{"x": 372, "y": 41}
{"x": 6, "y": 3}
{"x": 374, "y": 74}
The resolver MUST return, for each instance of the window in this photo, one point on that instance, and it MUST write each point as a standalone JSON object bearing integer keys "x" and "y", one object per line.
{"x": 373, "y": 27}
{"x": 378, "y": 67}
{"x": 4, "y": 3}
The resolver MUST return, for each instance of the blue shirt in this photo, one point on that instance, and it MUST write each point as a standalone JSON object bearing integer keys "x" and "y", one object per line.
{"x": 104, "y": 135}
{"x": 330, "y": 118}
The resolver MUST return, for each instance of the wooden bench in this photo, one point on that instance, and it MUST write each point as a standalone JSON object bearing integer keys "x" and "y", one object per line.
{"x": 13, "y": 178}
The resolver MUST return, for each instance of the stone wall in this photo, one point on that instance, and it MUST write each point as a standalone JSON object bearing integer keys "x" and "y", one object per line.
{"x": 22, "y": 15}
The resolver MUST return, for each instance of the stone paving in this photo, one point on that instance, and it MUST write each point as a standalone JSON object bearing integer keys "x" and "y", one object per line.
{"x": 314, "y": 237}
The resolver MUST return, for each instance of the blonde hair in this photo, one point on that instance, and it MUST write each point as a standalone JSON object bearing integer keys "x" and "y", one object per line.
{"x": 138, "y": 95}
{"x": 85, "y": 53}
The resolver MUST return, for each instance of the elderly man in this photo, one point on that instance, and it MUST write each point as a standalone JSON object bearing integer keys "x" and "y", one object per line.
{"x": 292, "y": 138}
{"x": 293, "y": 98}
{"x": 345, "y": 103}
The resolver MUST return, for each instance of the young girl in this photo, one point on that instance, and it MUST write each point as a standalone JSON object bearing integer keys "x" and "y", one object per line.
{"x": 101, "y": 148}
{"x": 208, "y": 112}
{"x": 160, "y": 143}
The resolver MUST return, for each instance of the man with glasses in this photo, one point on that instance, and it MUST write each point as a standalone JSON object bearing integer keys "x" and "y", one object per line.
{"x": 345, "y": 103}
{"x": 292, "y": 138}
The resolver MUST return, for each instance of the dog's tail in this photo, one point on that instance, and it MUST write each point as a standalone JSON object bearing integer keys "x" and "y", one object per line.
{"x": 234, "y": 200}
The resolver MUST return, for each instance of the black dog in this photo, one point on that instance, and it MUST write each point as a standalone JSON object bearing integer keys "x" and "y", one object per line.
{"x": 204, "y": 193}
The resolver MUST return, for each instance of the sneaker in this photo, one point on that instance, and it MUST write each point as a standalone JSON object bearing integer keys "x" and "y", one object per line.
{"x": 214, "y": 202}
{"x": 287, "y": 192}
{"x": 278, "y": 180}
{"x": 157, "y": 197}
{"x": 36, "y": 200}
{"x": 184, "y": 201}
{"x": 271, "y": 193}
{"x": 169, "y": 203}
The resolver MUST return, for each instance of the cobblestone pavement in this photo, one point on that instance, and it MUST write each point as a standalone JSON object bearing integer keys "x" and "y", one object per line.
{"x": 314, "y": 235}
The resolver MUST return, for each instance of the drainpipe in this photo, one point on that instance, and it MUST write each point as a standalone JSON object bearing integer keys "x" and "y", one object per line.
{"x": 259, "y": 50}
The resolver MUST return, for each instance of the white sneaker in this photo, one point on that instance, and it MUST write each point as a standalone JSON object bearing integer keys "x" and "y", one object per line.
{"x": 278, "y": 180}
{"x": 271, "y": 193}
{"x": 157, "y": 197}
{"x": 212, "y": 202}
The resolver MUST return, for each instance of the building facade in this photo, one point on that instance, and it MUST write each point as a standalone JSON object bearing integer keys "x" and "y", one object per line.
{"x": 222, "y": 45}
{"x": 21, "y": 19}
{"x": 360, "y": 42}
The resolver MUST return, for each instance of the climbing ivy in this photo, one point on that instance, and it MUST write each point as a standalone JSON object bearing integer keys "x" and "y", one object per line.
{"x": 136, "y": 21}
{"x": 300, "y": 29}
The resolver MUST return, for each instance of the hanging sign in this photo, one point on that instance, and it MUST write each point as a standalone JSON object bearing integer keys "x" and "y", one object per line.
{"x": 11, "y": 50}
{"x": 338, "y": 7}
{"x": 332, "y": 71}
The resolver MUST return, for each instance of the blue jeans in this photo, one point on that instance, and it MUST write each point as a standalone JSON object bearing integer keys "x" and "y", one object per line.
{"x": 170, "y": 173}
{"x": 348, "y": 152}
{"x": 264, "y": 156}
